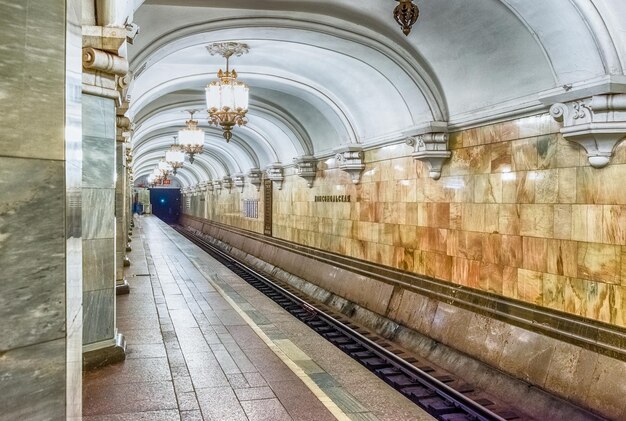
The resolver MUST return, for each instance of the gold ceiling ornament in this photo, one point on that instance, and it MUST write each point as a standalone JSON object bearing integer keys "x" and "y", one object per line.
{"x": 227, "y": 98}
{"x": 191, "y": 138}
{"x": 406, "y": 14}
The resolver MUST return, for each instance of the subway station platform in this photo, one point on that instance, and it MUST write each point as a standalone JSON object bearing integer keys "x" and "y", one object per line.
{"x": 204, "y": 345}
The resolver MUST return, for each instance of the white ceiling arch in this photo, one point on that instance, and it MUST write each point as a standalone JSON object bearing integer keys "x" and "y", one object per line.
{"x": 215, "y": 161}
{"x": 333, "y": 72}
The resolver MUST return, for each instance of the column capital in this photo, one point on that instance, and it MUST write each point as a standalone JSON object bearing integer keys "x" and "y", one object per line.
{"x": 350, "y": 159}
{"x": 255, "y": 176}
{"x": 596, "y": 123}
{"x": 104, "y": 71}
{"x": 275, "y": 173}
{"x": 306, "y": 167}
{"x": 430, "y": 145}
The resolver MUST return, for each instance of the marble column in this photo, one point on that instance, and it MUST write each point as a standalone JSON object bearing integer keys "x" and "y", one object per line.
{"x": 40, "y": 210}
{"x": 121, "y": 214}
{"x": 101, "y": 342}
{"x": 102, "y": 71}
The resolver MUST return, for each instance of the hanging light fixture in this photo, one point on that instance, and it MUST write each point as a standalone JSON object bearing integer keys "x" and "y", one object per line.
{"x": 191, "y": 138}
{"x": 226, "y": 97}
{"x": 406, "y": 14}
{"x": 165, "y": 168}
{"x": 175, "y": 156}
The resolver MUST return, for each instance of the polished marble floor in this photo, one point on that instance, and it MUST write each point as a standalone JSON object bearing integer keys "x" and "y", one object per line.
{"x": 204, "y": 345}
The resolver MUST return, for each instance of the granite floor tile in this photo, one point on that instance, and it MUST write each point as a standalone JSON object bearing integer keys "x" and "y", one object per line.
{"x": 254, "y": 393}
{"x": 220, "y": 403}
{"x": 265, "y": 410}
{"x": 168, "y": 415}
{"x": 127, "y": 398}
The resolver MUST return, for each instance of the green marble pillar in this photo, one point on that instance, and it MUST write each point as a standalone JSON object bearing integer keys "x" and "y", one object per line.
{"x": 40, "y": 210}
{"x": 101, "y": 342}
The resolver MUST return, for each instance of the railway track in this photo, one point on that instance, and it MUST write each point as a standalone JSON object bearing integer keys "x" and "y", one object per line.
{"x": 441, "y": 394}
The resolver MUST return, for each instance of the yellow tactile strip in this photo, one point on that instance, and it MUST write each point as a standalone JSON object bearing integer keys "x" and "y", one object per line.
{"x": 288, "y": 346}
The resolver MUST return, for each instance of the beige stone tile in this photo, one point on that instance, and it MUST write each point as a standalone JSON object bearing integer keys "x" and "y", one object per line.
{"x": 438, "y": 265}
{"x": 509, "y": 219}
{"x": 547, "y": 186}
{"x": 470, "y": 245}
{"x": 563, "y": 222}
{"x": 547, "y": 150}
{"x": 511, "y": 252}
{"x": 567, "y": 185}
{"x": 600, "y": 302}
{"x": 530, "y": 286}
{"x": 601, "y": 186}
{"x": 518, "y": 187}
{"x": 510, "y": 282}
{"x": 492, "y": 250}
{"x": 473, "y": 217}
{"x": 553, "y": 291}
{"x": 509, "y": 130}
{"x": 537, "y": 220}
{"x": 419, "y": 265}
{"x": 491, "y": 277}
{"x": 405, "y": 236}
{"x": 614, "y": 225}
{"x": 562, "y": 257}
{"x": 524, "y": 154}
{"x": 403, "y": 258}
{"x": 534, "y": 252}
{"x": 569, "y": 154}
{"x": 599, "y": 262}
{"x": 587, "y": 223}
{"x": 501, "y": 160}
{"x": 575, "y": 294}
{"x": 488, "y": 188}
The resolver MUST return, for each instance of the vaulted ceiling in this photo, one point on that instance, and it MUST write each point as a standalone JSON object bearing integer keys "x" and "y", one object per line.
{"x": 333, "y": 72}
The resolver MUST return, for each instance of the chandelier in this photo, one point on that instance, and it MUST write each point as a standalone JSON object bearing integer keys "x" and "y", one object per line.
{"x": 155, "y": 177}
{"x": 226, "y": 97}
{"x": 191, "y": 138}
{"x": 175, "y": 156}
{"x": 406, "y": 14}
{"x": 165, "y": 168}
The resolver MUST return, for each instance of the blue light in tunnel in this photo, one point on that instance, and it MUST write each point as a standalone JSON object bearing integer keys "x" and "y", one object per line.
{"x": 162, "y": 200}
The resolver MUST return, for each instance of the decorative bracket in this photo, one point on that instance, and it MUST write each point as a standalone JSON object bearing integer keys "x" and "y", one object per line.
{"x": 306, "y": 167}
{"x": 596, "y": 123}
{"x": 217, "y": 186}
{"x": 240, "y": 181}
{"x": 227, "y": 183}
{"x": 209, "y": 186}
{"x": 432, "y": 148}
{"x": 255, "y": 176}
{"x": 275, "y": 173}
{"x": 350, "y": 159}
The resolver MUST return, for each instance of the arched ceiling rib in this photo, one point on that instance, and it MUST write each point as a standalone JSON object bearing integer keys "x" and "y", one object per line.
{"x": 331, "y": 72}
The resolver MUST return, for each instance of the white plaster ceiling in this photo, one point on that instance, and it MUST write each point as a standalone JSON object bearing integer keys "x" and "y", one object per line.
{"x": 332, "y": 72}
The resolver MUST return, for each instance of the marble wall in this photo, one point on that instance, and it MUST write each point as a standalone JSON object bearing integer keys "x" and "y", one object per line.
{"x": 98, "y": 222}
{"x": 40, "y": 165}
{"x": 517, "y": 212}
{"x": 226, "y": 206}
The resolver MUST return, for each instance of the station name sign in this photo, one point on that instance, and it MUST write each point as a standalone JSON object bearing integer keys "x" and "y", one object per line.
{"x": 335, "y": 198}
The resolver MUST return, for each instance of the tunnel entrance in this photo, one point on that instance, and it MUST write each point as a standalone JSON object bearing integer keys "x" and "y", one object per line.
{"x": 166, "y": 204}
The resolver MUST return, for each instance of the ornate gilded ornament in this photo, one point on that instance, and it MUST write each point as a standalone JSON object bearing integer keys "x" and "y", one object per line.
{"x": 406, "y": 14}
